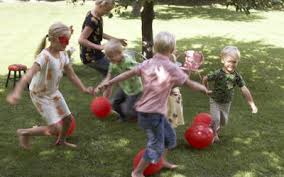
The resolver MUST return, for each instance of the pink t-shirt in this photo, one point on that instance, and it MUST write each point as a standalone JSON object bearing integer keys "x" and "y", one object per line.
{"x": 159, "y": 75}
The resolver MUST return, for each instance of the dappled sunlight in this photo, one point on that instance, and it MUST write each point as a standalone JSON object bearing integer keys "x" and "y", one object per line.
{"x": 236, "y": 153}
{"x": 253, "y": 70}
{"x": 245, "y": 174}
{"x": 215, "y": 12}
{"x": 6, "y": 160}
{"x": 279, "y": 68}
{"x": 178, "y": 175}
{"x": 196, "y": 46}
{"x": 211, "y": 12}
{"x": 274, "y": 159}
{"x": 182, "y": 167}
{"x": 122, "y": 142}
{"x": 69, "y": 155}
{"x": 47, "y": 153}
{"x": 245, "y": 141}
{"x": 255, "y": 133}
{"x": 2, "y": 90}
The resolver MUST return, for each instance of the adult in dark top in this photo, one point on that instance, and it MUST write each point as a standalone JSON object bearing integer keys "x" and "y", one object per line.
{"x": 92, "y": 34}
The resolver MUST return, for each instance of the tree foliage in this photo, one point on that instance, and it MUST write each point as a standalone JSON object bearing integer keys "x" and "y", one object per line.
{"x": 145, "y": 8}
{"x": 246, "y": 5}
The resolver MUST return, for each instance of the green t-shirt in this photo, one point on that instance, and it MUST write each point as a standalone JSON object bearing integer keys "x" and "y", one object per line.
{"x": 223, "y": 86}
{"x": 131, "y": 86}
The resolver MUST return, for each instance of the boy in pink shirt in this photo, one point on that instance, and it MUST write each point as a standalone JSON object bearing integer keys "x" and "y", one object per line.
{"x": 159, "y": 75}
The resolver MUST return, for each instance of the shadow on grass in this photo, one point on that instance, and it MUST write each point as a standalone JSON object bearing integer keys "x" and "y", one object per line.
{"x": 203, "y": 12}
{"x": 250, "y": 145}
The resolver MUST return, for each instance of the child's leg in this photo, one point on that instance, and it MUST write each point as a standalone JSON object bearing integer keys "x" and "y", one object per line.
{"x": 62, "y": 130}
{"x": 215, "y": 113}
{"x": 118, "y": 98}
{"x": 101, "y": 65}
{"x": 224, "y": 115}
{"x": 138, "y": 171}
{"x": 153, "y": 124}
{"x": 24, "y": 134}
{"x": 167, "y": 164}
{"x": 128, "y": 107}
{"x": 225, "y": 109}
{"x": 170, "y": 143}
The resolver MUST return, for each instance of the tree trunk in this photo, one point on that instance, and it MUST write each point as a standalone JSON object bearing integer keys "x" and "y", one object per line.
{"x": 147, "y": 17}
{"x": 136, "y": 7}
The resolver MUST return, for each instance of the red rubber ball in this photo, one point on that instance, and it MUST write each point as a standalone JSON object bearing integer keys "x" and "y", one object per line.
{"x": 101, "y": 107}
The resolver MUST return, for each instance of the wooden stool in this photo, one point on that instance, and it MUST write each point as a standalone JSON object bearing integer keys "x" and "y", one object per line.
{"x": 16, "y": 68}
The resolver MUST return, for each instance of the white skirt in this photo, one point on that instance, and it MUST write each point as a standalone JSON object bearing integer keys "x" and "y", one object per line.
{"x": 52, "y": 107}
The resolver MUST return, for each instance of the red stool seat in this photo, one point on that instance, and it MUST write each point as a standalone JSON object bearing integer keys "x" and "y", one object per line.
{"x": 22, "y": 67}
{"x": 16, "y": 68}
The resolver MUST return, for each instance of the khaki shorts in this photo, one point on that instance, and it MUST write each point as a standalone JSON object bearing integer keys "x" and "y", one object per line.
{"x": 220, "y": 113}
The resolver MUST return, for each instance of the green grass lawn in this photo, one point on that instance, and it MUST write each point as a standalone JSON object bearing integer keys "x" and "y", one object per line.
{"x": 251, "y": 145}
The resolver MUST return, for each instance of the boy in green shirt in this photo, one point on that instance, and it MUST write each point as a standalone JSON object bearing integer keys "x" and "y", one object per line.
{"x": 129, "y": 90}
{"x": 225, "y": 80}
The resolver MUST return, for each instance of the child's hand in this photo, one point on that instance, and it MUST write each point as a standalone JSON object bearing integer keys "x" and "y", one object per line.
{"x": 103, "y": 86}
{"x": 13, "y": 98}
{"x": 253, "y": 108}
{"x": 96, "y": 90}
{"x": 101, "y": 47}
{"x": 123, "y": 42}
{"x": 89, "y": 90}
{"x": 208, "y": 92}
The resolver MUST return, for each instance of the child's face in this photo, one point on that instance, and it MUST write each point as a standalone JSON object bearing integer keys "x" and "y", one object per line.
{"x": 230, "y": 64}
{"x": 116, "y": 56}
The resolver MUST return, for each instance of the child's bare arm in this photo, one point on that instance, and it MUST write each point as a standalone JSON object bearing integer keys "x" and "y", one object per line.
{"x": 15, "y": 96}
{"x": 75, "y": 79}
{"x": 196, "y": 86}
{"x": 248, "y": 96}
{"x": 107, "y": 92}
{"x": 83, "y": 39}
{"x": 205, "y": 81}
{"x": 108, "y": 37}
{"x": 119, "y": 78}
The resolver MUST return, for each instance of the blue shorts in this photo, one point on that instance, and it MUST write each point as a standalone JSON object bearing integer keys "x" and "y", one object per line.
{"x": 160, "y": 134}
{"x": 101, "y": 65}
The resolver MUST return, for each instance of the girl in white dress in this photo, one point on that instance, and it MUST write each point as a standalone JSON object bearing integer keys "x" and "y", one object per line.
{"x": 45, "y": 75}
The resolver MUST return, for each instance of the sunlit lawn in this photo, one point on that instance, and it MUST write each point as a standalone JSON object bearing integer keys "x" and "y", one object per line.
{"x": 251, "y": 146}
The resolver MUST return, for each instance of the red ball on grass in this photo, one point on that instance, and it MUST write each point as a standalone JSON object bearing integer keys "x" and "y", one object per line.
{"x": 101, "y": 107}
{"x": 199, "y": 136}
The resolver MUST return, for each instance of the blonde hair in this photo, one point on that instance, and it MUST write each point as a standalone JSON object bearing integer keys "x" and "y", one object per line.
{"x": 231, "y": 51}
{"x": 164, "y": 43}
{"x": 55, "y": 30}
{"x": 112, "y": 46}
{"x": 105, "y": 2}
